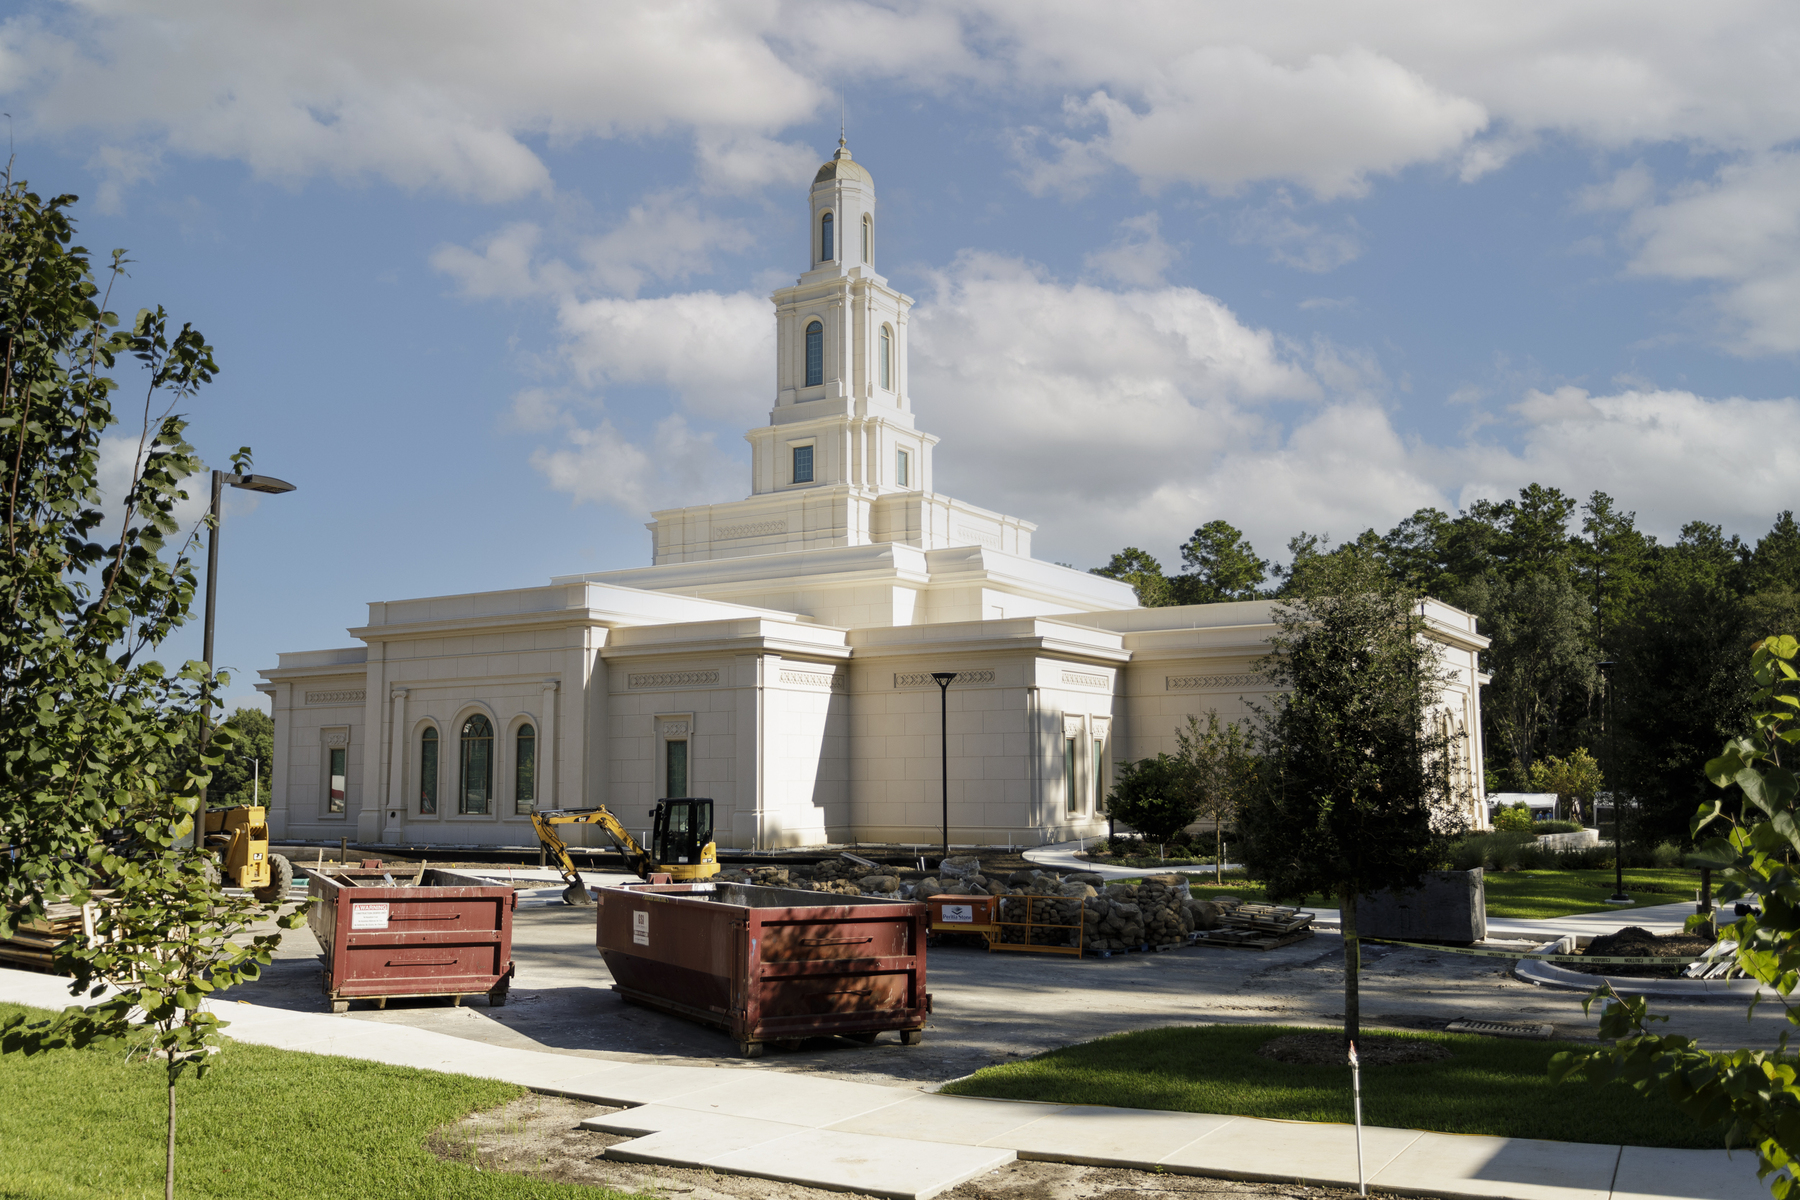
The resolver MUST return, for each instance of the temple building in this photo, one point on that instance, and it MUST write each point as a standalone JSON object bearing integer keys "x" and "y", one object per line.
{"x": 778, "y": 654}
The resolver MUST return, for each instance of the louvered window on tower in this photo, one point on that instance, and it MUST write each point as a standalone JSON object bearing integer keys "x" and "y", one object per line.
{"x": 803, "y": 464}
{"x": 815, "y": 354}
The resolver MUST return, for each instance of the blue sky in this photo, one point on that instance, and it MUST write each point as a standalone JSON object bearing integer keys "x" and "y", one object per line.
{"x": 489, "y": 282}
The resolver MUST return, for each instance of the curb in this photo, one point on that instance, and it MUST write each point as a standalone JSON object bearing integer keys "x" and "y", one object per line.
{"x": 1550, "y": 975}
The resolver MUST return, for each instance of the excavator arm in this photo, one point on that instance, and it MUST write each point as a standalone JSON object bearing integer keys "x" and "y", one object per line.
{"x": 636, "y": 857}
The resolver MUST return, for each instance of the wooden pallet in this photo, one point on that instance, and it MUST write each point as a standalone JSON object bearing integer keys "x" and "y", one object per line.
{"x": 34, "y": 942}
{"x": 1250, "y": 939}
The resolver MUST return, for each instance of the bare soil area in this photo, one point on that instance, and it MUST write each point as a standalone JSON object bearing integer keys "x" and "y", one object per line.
{"x": 1635, "y": 942}
{"x": 540, "y": 1137}
{"x": 1327, "y": 1049}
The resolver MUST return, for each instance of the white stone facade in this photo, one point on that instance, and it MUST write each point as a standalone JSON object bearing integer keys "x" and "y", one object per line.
{"x": 778, "y": 651}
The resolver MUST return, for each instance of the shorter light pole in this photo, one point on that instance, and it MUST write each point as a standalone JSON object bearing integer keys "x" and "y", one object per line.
{"x": 943, "y": 679}
{"x": 1618, "y": 897}
{"x": 249, "y": 483}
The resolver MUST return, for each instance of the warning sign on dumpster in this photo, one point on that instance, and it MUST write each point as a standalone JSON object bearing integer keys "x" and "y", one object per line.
{"x": 368, "y": 916}
{"x": 640, "y": 928}
{"x": 961, "y": 913}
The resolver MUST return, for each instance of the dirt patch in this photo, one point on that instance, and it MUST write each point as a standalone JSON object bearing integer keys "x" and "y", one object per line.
{"x": 1636, "y": 942}
{"x": 540, "y": 1137}
{"x": 1327, "y": 1050}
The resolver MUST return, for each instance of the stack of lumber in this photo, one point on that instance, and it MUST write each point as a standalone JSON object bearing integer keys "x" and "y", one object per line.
{"x": 34, "y": 942}
{"x": 1257, "y": 927}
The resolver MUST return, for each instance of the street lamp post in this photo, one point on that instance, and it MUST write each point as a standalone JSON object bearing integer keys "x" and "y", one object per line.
{"x": 943, "y": 679}
{"x": 269, "y": 485}
{"x": 1606, "y": 715}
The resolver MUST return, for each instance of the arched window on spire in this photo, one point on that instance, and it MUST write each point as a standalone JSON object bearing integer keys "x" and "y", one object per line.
{"x": 868, "y": 239}
{"x": 887, "y": 357}
{"x": 825, "y": 247}
{"x": 815, "y": 353}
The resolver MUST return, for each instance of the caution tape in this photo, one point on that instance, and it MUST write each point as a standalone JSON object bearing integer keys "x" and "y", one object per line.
{"x": 1611, "y": 959}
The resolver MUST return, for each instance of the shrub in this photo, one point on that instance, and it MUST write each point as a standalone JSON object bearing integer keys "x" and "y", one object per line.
{"x": 1667, "y": 854}
{"x": 1558, "y": 827}
{"x": 1516, "y": 819}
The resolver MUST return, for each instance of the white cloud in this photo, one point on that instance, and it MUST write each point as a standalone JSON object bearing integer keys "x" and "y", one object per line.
{"x": 715, "y": 352}
{"x": 1630, "y": 187}
{"x": 1138, "y": 256}
{"x": 427, "y": 94}
{"x": 1301, "y": 245}
{"x": 665, "y": 237}
{"x": 676, "y": 467}
{"x": 502, "y": 267}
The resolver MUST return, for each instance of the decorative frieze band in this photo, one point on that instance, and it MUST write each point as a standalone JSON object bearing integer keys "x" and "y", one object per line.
{"x": 813, "y": 679}
{"x": 924, "y": 679}
{"x": 1076, "y": 679}
{"x": 754, "y": 529}
{"x": 348, "y": 697}
{"x": 337, "y": 737}
{"x": 976, "y": 537}
{"x": 668, "y": 679}
{"x": 1210, "y": 683}
{"x": 672, "y": 728}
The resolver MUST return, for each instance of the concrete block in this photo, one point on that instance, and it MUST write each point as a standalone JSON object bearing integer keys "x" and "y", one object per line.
{"x": 1450, "y": 906}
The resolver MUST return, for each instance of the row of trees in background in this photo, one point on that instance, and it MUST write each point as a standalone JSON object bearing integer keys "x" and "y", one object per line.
{"x": 1558, "y": 585}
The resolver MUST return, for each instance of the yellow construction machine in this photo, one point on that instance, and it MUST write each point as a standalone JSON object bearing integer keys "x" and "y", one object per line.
{"x": 240, "y": 838}
{"x": 681, "y": 843}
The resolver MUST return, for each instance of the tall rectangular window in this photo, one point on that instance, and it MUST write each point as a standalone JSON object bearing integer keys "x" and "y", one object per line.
{"x": 525, "y": 771}
{"x": 803, "y": 467}
{"x": 815, "y": 354}
{"x": 1099, "y": 774}
{"x": 339, "y": 781}
{"x": 675, "y": 759}
{"x": 1070, "y": 790}
{"x": 902, "y": 468}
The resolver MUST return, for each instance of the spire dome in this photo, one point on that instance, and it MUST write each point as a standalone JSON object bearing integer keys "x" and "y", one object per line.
{"x": 840, "y": 166}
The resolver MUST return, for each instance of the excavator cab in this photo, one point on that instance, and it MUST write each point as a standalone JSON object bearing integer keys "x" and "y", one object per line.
{"x": 683, "y": 833}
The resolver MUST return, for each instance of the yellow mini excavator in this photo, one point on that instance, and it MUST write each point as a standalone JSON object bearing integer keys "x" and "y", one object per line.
{"x": 681, "y": 843}
{"x": 239, "y": 837}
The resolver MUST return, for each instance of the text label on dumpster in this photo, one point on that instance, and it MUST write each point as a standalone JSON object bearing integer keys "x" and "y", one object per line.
{"x": 369, "y": 916}
{"x": 640, "y": 928}
{"x": 959, "y": 912}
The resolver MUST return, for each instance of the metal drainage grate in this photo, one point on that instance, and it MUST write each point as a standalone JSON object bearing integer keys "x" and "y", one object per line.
{"x": 1500, "y": 1029}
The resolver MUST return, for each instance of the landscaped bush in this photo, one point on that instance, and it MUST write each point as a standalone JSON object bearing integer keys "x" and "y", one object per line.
{"x": 1505, "y": 850}
{"x": 1516, "y": 819}
{"x": 1667, "y": 854}
{"x": 1558, "y": 827}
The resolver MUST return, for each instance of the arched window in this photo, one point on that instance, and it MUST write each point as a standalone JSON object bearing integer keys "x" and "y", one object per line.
{"x": 428, "y": 772}
{"x": 815, "y": 353}
{"x": 825, "y": 246}
{"x": 477, "y": 776}
{"x": 887, "y": 357}
{"x": 525, "y": 770}
{"x": 868, "y": 239}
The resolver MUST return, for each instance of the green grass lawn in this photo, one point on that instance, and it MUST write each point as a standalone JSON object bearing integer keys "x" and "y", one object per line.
{"x": 265, "y": 1123}
{"x": 1519, "y": 893}
{"x": 1490, "y": 1086}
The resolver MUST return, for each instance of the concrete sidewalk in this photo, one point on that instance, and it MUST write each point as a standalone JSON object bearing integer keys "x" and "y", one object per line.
{"x": 907, "y": 1143}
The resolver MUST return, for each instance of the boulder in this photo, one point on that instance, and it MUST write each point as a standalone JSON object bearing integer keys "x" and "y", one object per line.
{"x": 879, "y": 884}
{"x": 926, "y": 888}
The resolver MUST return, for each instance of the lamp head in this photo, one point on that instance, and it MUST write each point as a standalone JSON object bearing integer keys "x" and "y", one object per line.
{"x": 260, "y": 483}
{"x": 1606, "y": 665}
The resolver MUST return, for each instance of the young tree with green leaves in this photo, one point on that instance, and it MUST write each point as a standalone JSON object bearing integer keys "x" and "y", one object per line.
{"x": 103, "y": 767}
{"x": 1222, "y": 769}
{"x": 1575, "y": 779}
{"x": 1755, "y": 1093}
{"x": 1145, "y": 575}
{"x": 1353, "y": 795}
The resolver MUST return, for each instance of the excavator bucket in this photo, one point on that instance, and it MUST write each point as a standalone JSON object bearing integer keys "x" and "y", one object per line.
{"x": 577, "y": 894}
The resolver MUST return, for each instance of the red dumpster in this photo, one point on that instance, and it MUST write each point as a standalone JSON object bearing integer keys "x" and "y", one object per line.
{"x": 406, "y": 932}
{"x": 768, "y": 964}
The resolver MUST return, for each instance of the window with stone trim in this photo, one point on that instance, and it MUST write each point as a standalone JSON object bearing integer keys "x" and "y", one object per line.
{"x": 525, "y": 770}
{"x": 868, "y": 239}
{"x": 1071, "y": 788}
{"x": 475, "y": 789}
{"x": 675, "y": 767}
{"x": 428, "y": 772}
{"x": 338, "y": 781}
{"x": 826, "y": 249}
{"x": 803, "y": 464}
{"x": 902, "y": 468}
{"x": 887, "y": 357}
{"x": 815, "y": 353}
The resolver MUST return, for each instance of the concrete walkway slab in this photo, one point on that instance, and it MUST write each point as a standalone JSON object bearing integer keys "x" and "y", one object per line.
{"x": 1295, "y": 1151}
{"x": 802, "y": 1100}
{"x": 633, "y": 1083}
{"x": 949, "y": 1119}
{"x": 860, "y": 1162}
{"x": 1522, "y": 1168}
{"x": 1110, "y": 1137}
{"x": 1646, "y": 1172}
{"x": 687, "y": 1138}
